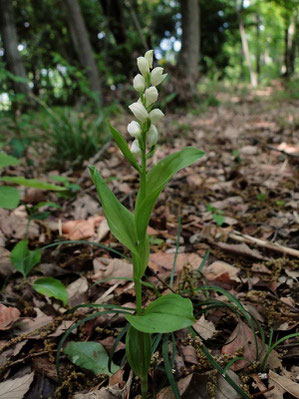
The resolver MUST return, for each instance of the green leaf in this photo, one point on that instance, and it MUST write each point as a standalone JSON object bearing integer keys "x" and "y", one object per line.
{"x": 90, "y": 356}
{"x": 218, "y": 219}
{"x": 51, "y": 287}
{"x": 139, "y": 351}
{"x": 23, "y": 259}
{"x": 9, "y": 197}
{"x": 123, "y": 146}
{"x": 156, "y": 180}
{"x": 119, "y": 218}
{"x": 22, "y": 181}
{"x": 7, "y": 160}
{"x": 166, "y": 314}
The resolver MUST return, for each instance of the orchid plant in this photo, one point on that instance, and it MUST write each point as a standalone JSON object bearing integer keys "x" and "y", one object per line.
{"x": 169, "y": 312}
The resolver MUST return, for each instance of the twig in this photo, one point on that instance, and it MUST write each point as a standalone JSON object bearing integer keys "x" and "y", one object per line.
{"x": 236, "y": 235}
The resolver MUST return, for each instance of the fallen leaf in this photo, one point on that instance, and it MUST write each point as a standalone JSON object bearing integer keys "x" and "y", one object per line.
{"x": 162, "y": 262}
{"x": 107, "y": 269}
{"x": 224, "y": 389}
{"x": 241, "y": 249}
{"x": 77, "y": 291}
{"x": 102, "y": 230}
{"x": 8, "y": 315}
{"x": 204, "y": 328}
{"x": 285, "y": 383}
{"x": 189, "y": 354}
{"x": 242, "y": 337}
{"x": 79, "y": 229}
{"x": 29, "y": 324}
{"x": 103, "y": 393}
{"x": 221, "y": 271}
{"x": 16, "y": 389}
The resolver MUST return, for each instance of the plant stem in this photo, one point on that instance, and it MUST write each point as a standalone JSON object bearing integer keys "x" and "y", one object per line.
{"x": 138, "y": 291}
{"x": 144, "y": 387}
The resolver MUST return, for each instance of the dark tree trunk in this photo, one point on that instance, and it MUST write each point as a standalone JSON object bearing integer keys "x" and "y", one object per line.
{"x": 189, "y": 56}
{"x": 82, "y": 45}
{"x": 258, "y": 47}
{"x": 291, "y": 43}
{"x": 113, "y": 11}
{"x": 10, "y": 42}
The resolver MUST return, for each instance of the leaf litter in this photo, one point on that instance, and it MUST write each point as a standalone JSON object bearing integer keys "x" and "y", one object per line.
{"x": 239, "y": 203}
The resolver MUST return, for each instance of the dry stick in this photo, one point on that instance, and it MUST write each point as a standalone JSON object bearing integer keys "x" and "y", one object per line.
{"x": 236, "y": 235}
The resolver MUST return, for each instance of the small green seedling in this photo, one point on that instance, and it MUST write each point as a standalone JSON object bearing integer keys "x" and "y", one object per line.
{"x": 24, "y": 260}
{"x": 217, "y": 215}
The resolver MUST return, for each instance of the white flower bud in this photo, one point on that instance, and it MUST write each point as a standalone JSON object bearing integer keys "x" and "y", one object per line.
{"x": 155, "y": 115}
{"x": 149, "y": 56}
{"x": 139, "y": 82}
{"x": 151, "y": 95}
{"x": 157, "y": 76}
{"x": 139, "y": 111}
{"x": 135, "y": 149}
{"x": 143, "y": 65}
{"x": 152, "y": 135}
{"x": 134, "y": 129}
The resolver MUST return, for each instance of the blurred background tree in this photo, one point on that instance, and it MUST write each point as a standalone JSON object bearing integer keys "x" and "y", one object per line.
{"x": 70, "y": 51}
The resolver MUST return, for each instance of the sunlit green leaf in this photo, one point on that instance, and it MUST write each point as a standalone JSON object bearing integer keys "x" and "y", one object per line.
{"x": 139, "y": 351}
{"x": 9, "y": 197}
{"x": 51, "y": 287}
{"x": 7, "y": 160}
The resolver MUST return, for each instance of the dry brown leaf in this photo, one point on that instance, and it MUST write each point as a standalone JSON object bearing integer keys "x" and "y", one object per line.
{"x": 107, "y": 268}
{"x": 77, "y": 291}
{"x": 17, "y": 388}
{"x": 162, "y": 262}
{"x": 79, "y": 229}
{"x": 276, "y": 393}
{"x": 103, "y": 393}
{"x": 6, "y": 266}
{"x": 28, "y": 324}
{"x": 102, "y": 230}
{"x": 242, "y": 337}
{"x": 285, "y": 383}
{"x": 224, "y": 389}
{"x": 8, "y": 315}
{"x": 221, "y": 271}
{"x": 204, "y": 328}
{"x": 189, "y": 354}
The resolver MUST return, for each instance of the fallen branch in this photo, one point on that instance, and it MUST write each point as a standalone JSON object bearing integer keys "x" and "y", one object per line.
{"x": 236, "y": 235}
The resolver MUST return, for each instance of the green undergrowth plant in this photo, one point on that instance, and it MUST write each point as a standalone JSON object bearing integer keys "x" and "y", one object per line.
{"x": 74, "y": 136}
{"x": 9, "y": 196}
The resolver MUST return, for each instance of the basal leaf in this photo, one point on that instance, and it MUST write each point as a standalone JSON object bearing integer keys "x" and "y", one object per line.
{"x": 119, "y": 218}
{"x": 139, "y": 351}
{"x": 51, "y": 287}
{"x": 35, "y": 183}
{"x": 9, "y": 197}
{"x": 90, "y": 356}
{"x": 156, "y": 180}
{"x": 123, "y": 146}
{"x": 166, "y": 314}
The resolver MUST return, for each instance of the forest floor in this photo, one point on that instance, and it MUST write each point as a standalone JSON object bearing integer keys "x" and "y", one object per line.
{"x": 237, "y": 209}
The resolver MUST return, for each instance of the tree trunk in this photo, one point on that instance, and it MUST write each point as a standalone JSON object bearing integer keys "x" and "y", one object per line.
{"x": 10, "y": 42}
{"x": 82, "y": 45}
{"x": 253, "y": 79}
{"x": 189, "y": 56}
{"x": 291, "y": 42}
{"x": 258, "y": 47}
